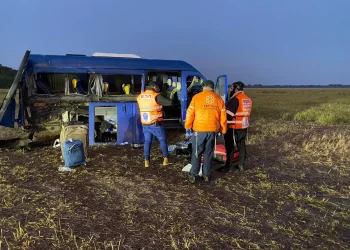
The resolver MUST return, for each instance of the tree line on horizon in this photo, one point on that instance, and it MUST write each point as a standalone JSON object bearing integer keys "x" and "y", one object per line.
{"x": 7, "y": 75}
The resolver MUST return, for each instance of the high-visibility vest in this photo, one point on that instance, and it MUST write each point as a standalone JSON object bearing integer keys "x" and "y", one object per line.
{"x": 241, "y": 118}
{"x": 150, "y": 110}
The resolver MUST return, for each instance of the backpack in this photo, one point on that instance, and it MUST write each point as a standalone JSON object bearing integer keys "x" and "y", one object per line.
{"x": 78, "y": 132}
{"x": 73, "y": 152}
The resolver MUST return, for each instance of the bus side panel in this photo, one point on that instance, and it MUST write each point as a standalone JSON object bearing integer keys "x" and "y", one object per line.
{"x": 138, "y": 135}
{"x": 129, "y": 124}
{"x": 129, "y": 128}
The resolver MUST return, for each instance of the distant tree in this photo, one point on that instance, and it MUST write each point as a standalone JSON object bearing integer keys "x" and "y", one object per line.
{"x": 7, "y": 75}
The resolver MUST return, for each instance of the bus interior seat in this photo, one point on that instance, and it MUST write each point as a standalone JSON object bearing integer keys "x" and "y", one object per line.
{"x": 170, "y": 91}
{"x": 179, "y": 94}
{"x": 166, "y": 87}
{"x": 77, "y": 87}
{"x": 42, "y": 87}
{"x": 106, "y": 88}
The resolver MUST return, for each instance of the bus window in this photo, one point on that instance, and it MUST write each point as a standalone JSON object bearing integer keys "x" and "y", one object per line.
{"x": 194, "y": 86}
{"x": 122, "y": 84}
{"x": 54, "y": 83}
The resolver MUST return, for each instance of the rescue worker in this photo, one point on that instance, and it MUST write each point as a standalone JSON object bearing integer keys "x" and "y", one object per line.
{"x": 151, "y": 114}
{"x": 206, "y": 116}
{"x": 238, "y": 111}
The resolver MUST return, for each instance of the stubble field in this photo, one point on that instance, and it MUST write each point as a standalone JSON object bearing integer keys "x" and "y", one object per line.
{"x": 294, "y": 193}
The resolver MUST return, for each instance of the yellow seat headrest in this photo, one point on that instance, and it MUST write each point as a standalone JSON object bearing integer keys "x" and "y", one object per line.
{"x": 126, "y": 88}
{"x": 106, "y": 85}
{"x": 74, "y": 83}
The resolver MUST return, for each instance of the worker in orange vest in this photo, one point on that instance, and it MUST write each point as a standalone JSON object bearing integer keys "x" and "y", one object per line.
{"x": 206, "y": 116}
{"x": 151, "y": 114}
{"x": 238, "y": 111}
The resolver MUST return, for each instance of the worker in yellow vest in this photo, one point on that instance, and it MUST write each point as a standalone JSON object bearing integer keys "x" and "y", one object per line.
{"x": 238, "y": 111}
{"x": 151, "y": 114}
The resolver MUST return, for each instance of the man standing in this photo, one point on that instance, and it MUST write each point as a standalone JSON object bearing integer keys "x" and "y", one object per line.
{"x": 238, "y": 112}
{"x": 151, "y": 113}
{"x": 206, "y": 115}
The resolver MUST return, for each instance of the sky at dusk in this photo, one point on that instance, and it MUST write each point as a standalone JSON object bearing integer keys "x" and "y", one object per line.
{"x": 255, "y": 41}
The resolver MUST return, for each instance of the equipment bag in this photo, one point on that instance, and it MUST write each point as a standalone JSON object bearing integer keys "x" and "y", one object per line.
{"x": 220, "y": 154}
{"x": 78, "y": 132}
{"x": 73, "y": 153}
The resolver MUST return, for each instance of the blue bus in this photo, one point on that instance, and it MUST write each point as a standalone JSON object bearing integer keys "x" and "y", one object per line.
{"x": 56, "y": 90}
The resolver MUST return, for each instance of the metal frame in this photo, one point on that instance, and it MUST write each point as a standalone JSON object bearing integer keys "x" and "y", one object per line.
{"x": 14, "y": 85}
{"x": 226, "y": 86}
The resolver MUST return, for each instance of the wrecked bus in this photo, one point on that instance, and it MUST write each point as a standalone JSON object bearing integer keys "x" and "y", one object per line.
{"x": 100, "y": 92}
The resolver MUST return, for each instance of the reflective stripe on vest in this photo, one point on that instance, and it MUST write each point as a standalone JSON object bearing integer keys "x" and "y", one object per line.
{"x": 234, "y": 122}
{"x": 242, "y": 114}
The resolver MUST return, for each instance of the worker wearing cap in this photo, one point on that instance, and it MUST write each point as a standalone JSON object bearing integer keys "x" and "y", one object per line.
{"x": 238, "y": 111}
{"x": 206, "y": 116}
{"x": 150, "y": 105}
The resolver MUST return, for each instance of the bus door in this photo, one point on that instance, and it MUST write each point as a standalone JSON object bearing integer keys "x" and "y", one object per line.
{"x": 221, "y": 87}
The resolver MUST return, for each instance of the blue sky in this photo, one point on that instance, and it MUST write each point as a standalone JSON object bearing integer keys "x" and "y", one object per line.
{"x": 255, "y": 41}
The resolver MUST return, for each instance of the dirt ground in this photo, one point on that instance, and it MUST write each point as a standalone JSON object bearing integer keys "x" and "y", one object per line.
{"x": 294, "y": 193}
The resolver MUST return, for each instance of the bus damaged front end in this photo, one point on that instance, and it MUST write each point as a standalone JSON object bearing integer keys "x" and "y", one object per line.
{"x": 52, "y": 96}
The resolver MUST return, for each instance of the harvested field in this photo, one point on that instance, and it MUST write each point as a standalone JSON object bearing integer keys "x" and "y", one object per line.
{"x": 294, "y": 192}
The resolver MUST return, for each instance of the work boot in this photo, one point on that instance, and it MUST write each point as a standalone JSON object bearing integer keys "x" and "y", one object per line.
{"x": 165, "y": 161}
{"x": 241, "y": 167}
{"x": 146, "y": 163}
{"x": 192, "y": 179}
{"x": 206, "y": 178}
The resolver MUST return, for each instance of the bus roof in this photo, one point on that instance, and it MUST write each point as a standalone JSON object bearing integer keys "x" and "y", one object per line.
{"x": 90, "y": 64}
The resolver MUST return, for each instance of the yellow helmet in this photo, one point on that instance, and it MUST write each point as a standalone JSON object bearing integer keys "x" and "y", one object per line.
{"x": 126, "y": 88}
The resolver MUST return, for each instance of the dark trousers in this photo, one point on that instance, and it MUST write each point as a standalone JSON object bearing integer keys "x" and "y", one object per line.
{"x": 240, "y": 135}
{"x": 202, "y": 143}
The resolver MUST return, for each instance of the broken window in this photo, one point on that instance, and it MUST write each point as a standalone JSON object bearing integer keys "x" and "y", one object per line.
{"x": 168, "y": 82}
{"x": 170, "y": 88}
{"x": 105, "y": 128}
{"x": 54, "y": 83}
{"x": 194, "y": 86}
{"x": 122, "y": 84}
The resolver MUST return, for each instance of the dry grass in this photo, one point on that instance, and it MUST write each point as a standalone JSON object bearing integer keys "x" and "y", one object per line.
{"x": 286, "y": 103}
{"x": 293, "y": 194}
{"x": 3, "y": 93}
{"x": 334, "y": 113}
